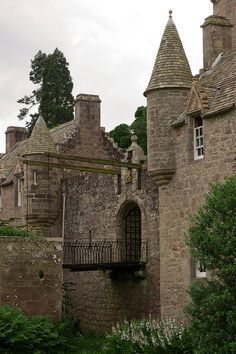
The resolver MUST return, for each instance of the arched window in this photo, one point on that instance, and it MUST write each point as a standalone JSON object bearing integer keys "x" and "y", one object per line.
{"x": 132, "y": 232}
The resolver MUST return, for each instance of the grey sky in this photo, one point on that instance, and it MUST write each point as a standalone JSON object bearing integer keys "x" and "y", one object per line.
{"x": 110, "y": 45}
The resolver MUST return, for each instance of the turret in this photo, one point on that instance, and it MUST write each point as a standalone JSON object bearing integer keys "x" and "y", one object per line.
{"x": 41, "y": 181}
{"x": 166, "y": 94}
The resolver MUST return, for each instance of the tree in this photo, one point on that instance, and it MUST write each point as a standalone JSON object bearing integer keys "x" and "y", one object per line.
{"x": 54, "y": 92}
{"x": 139, "y": 126}
{"x": 212, "y": 238}
{"x": 122, "y": 133}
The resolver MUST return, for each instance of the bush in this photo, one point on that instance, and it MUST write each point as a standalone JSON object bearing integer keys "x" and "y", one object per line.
{"x": 212, "y": 238}
{"x": 7, "y": 230}
{"x": 149, "y": 336}
{"x": 20, "y": 333}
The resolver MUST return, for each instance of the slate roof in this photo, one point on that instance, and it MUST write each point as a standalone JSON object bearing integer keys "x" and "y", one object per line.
{"x": 171, "y": 68}
{"x": 63, "y": 132}
{"x": 221, "y": 83}
{"x": 40, "y": 139}
{"x": 9, "y": 160}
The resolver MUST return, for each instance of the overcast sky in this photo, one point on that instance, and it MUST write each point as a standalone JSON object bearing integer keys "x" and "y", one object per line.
{"x": 110, "y": 45}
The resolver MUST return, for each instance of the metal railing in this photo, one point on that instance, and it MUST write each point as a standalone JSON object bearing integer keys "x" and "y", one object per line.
{"x": 104, "y": 252}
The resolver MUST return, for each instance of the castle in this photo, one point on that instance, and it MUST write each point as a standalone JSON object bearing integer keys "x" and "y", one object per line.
{"x": 112, "y": 226}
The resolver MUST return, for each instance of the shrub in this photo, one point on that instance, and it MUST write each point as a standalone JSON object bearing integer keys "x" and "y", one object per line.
{"x": 7, "y": 230}
{"x": 20, "y": 333}
{"x": 212, "y": 238}
{"x": 148, "y": 336}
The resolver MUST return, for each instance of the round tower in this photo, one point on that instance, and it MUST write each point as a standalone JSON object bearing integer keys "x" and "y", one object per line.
{"x": 41, "y": 178}
{"x": 166, "y": 94}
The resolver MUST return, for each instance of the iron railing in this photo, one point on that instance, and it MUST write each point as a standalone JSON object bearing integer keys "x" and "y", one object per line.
{"x": 104, "y": 254}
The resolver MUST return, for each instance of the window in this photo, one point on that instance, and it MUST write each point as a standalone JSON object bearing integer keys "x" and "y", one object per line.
{"x": 19, "y": 192}
{"x": 132, "y": 232}
{"x": 35, "y": 178}
{"x": 198, "y": 139}
{"x": 200, "y": 270}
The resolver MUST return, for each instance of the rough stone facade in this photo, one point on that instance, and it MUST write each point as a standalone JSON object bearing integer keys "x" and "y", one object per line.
{"x": 31, "y": 275}
{"x": 112, "y": 295}
{"x": 182, "y": 197}
{"x": 74, "y": 183}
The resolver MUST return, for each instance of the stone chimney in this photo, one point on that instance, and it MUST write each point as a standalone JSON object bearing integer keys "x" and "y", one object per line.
{"x": 13, "y": 136}
{"x": 226, "y": 8}
{"x": 217, "y": 38}
{"x": 87, "y": 116}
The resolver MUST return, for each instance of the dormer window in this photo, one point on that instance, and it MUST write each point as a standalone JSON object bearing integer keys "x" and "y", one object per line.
{"x": 198, "y": 139}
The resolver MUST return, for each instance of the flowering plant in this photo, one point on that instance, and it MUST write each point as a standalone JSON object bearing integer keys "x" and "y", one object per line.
{"x": 148, "y": 336}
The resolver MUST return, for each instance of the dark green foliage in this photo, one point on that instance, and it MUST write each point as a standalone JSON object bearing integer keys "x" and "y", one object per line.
{"x": 122, "y": 133}
{"x": 212, "y": 237}
{"x": 56, "y": 104}
{"x": 89, "y": 344}
{"x": 54, "y": 90}
{"x": 7, "y": 230}
{"x": 122, "y": 136}
{"x": 139, "y": 126}
{"x": 37, "y": 334}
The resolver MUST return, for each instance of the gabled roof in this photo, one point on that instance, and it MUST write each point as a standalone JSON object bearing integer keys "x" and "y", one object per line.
{"x": 171, "y": 67}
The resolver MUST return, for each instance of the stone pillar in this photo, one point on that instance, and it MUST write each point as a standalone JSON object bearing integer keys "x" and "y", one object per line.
{"x": 217, "y": 38}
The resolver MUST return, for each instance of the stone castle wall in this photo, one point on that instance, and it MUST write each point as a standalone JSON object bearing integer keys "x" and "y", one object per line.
{"x": 93, "y": 203}
{"x": 183, "y": 196}
{"x": 31, "y": 275}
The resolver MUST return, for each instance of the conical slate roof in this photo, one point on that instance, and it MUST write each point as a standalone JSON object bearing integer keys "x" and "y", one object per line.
{"x": 171, "y": 67}
{"x": 40, "y": 140}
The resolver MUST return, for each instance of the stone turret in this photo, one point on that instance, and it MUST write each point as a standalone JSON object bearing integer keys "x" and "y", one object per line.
{"x": 41, "y": 181}
{"x": 166, "y": 94}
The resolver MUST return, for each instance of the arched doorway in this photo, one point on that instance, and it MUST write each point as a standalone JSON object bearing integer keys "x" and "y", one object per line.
{"x": 132, "y": 232}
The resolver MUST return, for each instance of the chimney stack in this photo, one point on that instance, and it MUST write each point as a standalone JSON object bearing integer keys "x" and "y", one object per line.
{"x": 13, "y": 136}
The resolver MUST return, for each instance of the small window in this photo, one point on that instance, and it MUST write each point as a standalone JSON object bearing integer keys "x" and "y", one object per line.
{"x": 198, "y": 139}
{"x": 200, "y": 270}
{"x": 19, "y": 192}
{"x": 35, "y": 177}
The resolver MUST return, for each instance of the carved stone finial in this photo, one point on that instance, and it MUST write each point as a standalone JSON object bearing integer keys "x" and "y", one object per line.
{"x": 170, "y": 13}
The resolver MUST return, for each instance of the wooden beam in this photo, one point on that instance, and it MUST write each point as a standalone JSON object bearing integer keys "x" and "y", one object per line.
{"x": 64, "y": 166}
